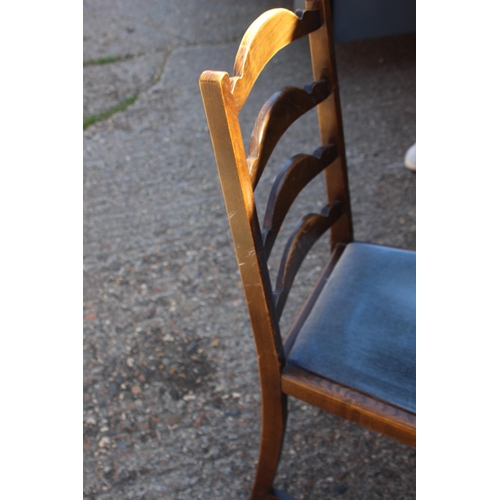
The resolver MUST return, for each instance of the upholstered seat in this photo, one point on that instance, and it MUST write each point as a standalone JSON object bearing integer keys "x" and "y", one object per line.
{"x": 361, "y": 330}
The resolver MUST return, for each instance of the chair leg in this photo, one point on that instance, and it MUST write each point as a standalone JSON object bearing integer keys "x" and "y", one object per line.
{"x": 274, "y": 416}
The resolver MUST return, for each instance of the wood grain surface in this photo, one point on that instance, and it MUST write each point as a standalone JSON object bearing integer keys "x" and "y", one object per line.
{"x": 277, "y": 114}
{"x": 355, "y": 406}
{"x": 238, "y": 195}
{"x": 293, "y": 177}
{"x": 306, "y": 233}
{"x": 268, "y": 34}
{"x": 330, "y": 119}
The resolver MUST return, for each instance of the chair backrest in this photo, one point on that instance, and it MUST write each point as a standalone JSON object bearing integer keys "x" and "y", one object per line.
{"x": 223, "y": 98}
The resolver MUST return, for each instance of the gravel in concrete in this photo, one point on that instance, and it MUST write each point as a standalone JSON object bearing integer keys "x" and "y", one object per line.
{"x": 171, "y": 395}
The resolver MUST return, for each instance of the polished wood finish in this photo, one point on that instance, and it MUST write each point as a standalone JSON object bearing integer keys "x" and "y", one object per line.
{"x": 294, "y": 176}
{"x": 268, "y": 34}
{"x": 306, "y": 233}
{"x": 277, "y": 114}
{"x": 330, "y": 119}
{"x": 230, "y": 158}
{"x": 223, "y": 97}
{"x": 355, "y": 406}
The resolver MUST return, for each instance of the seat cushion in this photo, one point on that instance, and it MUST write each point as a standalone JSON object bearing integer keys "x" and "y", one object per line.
{"x": 361, "y": 330}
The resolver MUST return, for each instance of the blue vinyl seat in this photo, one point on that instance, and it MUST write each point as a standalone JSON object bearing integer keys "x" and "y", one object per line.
{"x": 361, "y": 330}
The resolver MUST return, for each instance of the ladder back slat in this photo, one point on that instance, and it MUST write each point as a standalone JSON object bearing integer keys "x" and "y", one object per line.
{"x": 294, "y": 176}
{"x": 268, "y": 34}
{"x": 275, "y": 117}
{"x": 306, "y": 233}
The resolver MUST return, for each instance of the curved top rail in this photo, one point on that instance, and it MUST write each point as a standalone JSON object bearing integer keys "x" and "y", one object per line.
{"x": 268, "y": 34}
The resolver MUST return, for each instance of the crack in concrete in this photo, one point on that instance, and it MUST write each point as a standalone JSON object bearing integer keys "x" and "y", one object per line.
{"x": 109, "y": 60}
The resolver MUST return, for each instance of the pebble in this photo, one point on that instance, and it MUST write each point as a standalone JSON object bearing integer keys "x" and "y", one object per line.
{"x": 105, "y": 441}
{"x": 172, "y": 419}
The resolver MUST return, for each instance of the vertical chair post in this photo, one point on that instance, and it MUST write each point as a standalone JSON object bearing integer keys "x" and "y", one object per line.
{"x": 237, "y": 189}
{"x": 330, "y": 120}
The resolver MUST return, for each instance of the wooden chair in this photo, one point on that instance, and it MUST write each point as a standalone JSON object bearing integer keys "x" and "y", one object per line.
{"x": 351, "y": 350}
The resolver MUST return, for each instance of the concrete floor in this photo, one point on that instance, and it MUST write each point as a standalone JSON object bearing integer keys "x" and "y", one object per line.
{"x": 171, "y": 394}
